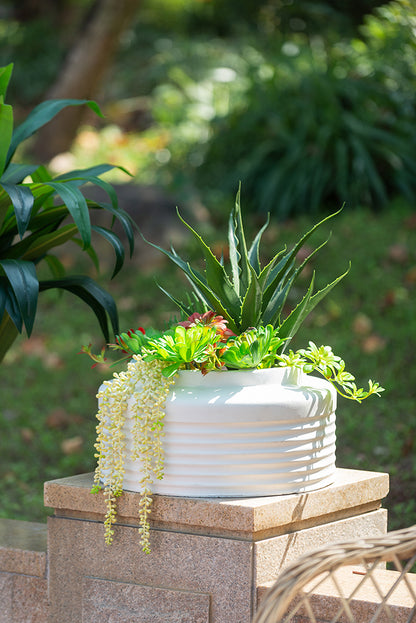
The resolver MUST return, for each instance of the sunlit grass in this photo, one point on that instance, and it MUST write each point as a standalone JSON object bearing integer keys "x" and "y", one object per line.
{"x": 48, "y": 403}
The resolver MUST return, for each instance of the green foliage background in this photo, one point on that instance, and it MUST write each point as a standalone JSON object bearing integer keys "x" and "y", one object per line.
{"x": 283, "y": 95}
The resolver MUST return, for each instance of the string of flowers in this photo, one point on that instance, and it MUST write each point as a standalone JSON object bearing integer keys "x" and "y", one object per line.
{"x": 143, "y": 389}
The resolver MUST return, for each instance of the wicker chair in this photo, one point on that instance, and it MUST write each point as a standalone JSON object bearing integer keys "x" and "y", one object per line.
{"x": 332, "y": 583}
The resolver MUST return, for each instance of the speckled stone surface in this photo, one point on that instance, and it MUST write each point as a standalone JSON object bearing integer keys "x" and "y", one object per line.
{"x": 272, "y": 555}
{"x": 208, "y": 557}
{"x": 23, "y": 547}
{"x": 23, "y": 598}
{"x": 218, "y": 568}
{"x": 354, "y": 492}
{"x": 6, "y": 593}
{"x": 129, "y": 603}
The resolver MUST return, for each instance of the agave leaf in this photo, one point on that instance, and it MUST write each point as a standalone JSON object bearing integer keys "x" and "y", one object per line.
{"x": 22, "y": 292}
{"x": 6, "y": 132}
{"x": 100, "y": 301}
{"x": 234, "y": 254}
{"x": 41, "y": 115}
{"x": 252, "y": 303}
{"x": 283, "y": 270}
{"x": 5, "y": 75}
{"x": 238, "y": 249}
{"x": 253, "y": 253}
{"x": 187, "y": 311}
{"x": 272, "y": 313}
{"x": 291, "y": 324}
{"x": 77, "y": 206}
{"x": 216, "y": 277}
{"x": 117, "y": 245}
{"x": 215, "y": 303}
{"x": 22, "y": 200}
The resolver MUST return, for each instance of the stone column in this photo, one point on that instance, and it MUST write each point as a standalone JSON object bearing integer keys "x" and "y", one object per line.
{"x": 209, "y": 555}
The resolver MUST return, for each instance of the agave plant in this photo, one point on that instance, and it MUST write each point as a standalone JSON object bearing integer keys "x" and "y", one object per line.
{"x": 34, "y": 211}
{"x": 249, "y": 295}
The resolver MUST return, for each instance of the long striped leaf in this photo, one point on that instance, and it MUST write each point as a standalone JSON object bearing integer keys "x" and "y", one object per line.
{"x": 16, "y": 173}
{"x": 22, "y": 292}
{"x": 22, "y": 200}
{"x": 6, "y": 132}
{"x": 125, "y": 219}
{"x": 100, "y": 301}
{"x": 41, "y": 115}
{"x": 115, "y": 243}
{"x": 42, "y": 244}
{"x": 77, "y": 206}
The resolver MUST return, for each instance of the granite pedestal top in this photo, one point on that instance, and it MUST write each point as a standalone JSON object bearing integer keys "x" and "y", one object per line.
{"x": 354, "y": 492}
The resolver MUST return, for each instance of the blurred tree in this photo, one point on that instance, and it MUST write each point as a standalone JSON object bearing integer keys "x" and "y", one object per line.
{"x": 84, "y": 69}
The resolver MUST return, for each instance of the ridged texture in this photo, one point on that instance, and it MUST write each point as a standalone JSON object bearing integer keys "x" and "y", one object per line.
{"x": 241, "y": 434}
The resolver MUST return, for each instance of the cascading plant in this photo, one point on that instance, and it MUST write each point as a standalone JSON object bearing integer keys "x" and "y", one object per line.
{"x": 231, "y": 321}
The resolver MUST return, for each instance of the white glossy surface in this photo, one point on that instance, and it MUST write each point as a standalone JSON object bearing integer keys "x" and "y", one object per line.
{"x": 245, "y": 434}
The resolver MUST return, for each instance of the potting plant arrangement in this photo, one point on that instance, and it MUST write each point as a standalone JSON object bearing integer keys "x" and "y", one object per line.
{"x": 218, "y": 404}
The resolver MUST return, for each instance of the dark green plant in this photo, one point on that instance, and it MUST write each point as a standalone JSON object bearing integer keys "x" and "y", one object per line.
{"x": 250, "y": 295}
{"x": 325, "y": 126}
{"x": 34, "y": 211}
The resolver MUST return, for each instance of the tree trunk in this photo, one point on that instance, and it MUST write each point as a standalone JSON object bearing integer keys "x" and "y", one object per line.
{"x": 83, "y": 72}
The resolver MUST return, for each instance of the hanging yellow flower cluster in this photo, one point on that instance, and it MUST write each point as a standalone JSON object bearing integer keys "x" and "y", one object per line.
{"x": 139, "y": 393}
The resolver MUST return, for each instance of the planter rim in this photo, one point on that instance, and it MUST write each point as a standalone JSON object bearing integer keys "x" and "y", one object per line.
{"x": 285, "y": 375}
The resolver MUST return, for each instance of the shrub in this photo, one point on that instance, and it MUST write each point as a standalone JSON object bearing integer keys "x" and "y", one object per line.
{"x": 320, "y": 126}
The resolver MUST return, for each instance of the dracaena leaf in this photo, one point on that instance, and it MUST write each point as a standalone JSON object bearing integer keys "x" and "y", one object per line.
{"x": 77, "y": 206}
{"x": 115, "y": 243}
{"x": 16, "y": 173}
{"x": 22, "y": 291}
{"x": 22, "y": 200}
{"x": 41, "y": 115}
{"x": 6, "y": 131}
{"x": 100, "y": 301}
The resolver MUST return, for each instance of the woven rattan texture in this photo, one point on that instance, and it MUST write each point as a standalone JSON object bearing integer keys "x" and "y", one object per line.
{"x": 295, "y": 595}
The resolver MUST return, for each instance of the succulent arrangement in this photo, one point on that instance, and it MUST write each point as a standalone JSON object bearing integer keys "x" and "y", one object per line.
{"x": 230, "y": 321}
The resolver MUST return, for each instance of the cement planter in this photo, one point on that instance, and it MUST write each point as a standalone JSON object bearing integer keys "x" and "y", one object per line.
{"x": 244, "y": 434}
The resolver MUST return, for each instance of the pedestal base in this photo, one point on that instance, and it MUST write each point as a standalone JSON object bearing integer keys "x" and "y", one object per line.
{"x": 208, "y": 557}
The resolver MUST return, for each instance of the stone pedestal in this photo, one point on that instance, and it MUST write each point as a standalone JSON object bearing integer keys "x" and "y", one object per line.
{"x": 209, "y": 555}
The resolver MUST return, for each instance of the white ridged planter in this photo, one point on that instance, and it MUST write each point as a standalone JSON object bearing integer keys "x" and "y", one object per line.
{"x": 244, "y": 434}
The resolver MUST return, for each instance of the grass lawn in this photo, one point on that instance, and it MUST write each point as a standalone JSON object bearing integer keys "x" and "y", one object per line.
{"x": 47, "y": 408}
